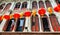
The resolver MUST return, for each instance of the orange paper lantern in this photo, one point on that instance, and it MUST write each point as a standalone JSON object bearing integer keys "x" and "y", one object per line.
{"x": 50, "y": 10}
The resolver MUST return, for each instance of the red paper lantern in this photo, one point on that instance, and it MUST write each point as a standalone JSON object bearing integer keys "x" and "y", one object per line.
{"x": 54, "y": 28}
{"x": 41, "y": 11}
{"x": 16, "y": 15}
{"x": 27, "y": 14}
{"x": 7, "y": 17}
{"x": 0, "y": 18}
{"x": 57, "y": 8}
